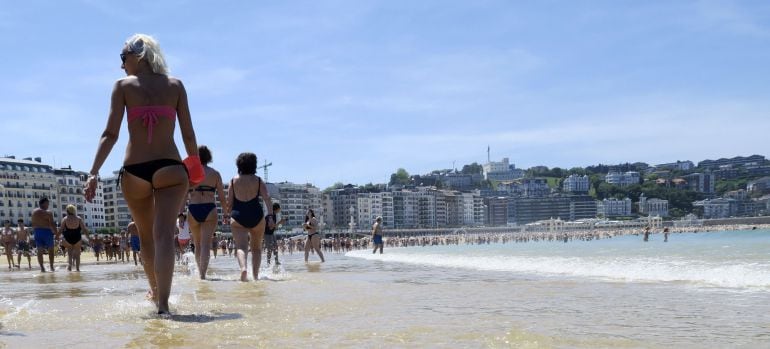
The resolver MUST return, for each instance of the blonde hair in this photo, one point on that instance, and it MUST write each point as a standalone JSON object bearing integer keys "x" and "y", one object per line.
{"x": 72, "y": 210}
{"x": 147, "y": 48}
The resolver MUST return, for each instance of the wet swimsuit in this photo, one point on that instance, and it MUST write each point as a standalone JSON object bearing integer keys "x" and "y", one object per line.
{"x": 247, "y": 213}
{"x": 201, "y": 211}
{"x": 145, "y": 170}
{"x": 72, "y": 236}
{"x": 135, "y": 243}
{"x": 377, "y": 239}
{"x": 43, "y": 238}
{"x": 150, "y": 116}
{"x": 23, "y": 246}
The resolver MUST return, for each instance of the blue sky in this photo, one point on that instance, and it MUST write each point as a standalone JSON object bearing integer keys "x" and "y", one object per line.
{"x": 352, "y": 90}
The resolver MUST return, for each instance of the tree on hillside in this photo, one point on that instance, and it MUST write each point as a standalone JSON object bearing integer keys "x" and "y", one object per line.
{"x": 400, "y": 177}
{"x": 473, "y": 168}
{"x": 334, "y": 186}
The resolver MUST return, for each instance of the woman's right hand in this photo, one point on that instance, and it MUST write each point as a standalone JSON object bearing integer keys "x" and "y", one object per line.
{"x": 90, "y": 187}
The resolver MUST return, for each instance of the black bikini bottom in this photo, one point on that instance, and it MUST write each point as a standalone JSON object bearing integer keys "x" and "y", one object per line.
{"x": 145, "y": 170}
{"x": 201, "y": 211}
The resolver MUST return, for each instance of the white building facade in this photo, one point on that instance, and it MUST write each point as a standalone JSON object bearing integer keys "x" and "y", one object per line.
{"x": 577, "y": 184}
{"x": 615, "y": 207}
{"x": 296, "y": 199}
{"x": 116, "y": 213}
{"x": 623, "y": 179}
{"x": 22, "y": 184}
{"x": 71, "y": 192}
{"x": 501, "y": 171}
{"x": 653, "y": 207}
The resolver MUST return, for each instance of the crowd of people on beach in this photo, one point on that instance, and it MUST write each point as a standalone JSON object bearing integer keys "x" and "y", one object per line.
{"x": 173, "y": 200}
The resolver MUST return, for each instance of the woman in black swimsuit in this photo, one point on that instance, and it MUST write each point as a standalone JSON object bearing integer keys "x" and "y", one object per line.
{"x": 72, "y": 229}
{"x": 203, "y": 212}
{"x": 313, "y": 240}
{"x": 154, "y": 178}
{"x": 248, "y": 216}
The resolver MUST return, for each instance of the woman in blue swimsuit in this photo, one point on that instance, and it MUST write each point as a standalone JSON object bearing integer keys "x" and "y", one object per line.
{"x": 203, "y": 211}
{"x": 248, "y": 216}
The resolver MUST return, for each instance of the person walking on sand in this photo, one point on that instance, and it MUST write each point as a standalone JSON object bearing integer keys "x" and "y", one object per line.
{"x": 247, "y": 217}
{"x": 377, "y": 235}
{"x": 154, "y": 179}
{"x": 203, "y": 213}
{"x": 22, "y": 243}
{"x": 9, "y": 240}
{"x": 73, "y": 228}
{"x": 271, "y": 245}
{"x": 313, "y": 240}
{"x": 134, "y": 240}
{"x": 44, "y": 227}
{"x": 183, "y": 234}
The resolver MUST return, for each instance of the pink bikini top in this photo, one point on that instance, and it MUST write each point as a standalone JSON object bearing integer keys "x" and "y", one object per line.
{"x": 149, "y": 115}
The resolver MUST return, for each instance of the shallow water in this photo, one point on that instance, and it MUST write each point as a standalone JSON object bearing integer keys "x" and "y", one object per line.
{"x": 698, "y": 290}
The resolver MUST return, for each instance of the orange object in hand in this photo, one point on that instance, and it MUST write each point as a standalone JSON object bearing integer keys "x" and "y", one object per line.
{"x": 194, "y": 169}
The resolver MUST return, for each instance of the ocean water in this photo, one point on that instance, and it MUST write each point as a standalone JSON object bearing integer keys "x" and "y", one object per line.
{"x": 708, "y": 290}
{"x": 736, "y": 260}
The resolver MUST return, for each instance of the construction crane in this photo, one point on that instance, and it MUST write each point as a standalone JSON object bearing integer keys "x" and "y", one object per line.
{"x": 265, "y": 166}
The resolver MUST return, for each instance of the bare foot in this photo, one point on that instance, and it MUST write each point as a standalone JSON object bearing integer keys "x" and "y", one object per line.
{"x": 151, "y": 297}
{"x": 244, "y": 276}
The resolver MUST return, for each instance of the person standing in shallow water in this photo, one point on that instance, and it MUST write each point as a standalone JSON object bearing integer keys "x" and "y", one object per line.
{"x": 183, "y": 234}
{"x": 377, "y": 235}
{"x": 248, "y": 219}
{"x": 44, "y": 227}
{"x": 9, "y": 239}
{"x": 72, "y": 228}
{"x": 313, "y": 236}
{"x": 203, "y": 212}
{"x": 154, "y": 179}
{"x": 22, "y": 241}
{"x": 271, "y": 245}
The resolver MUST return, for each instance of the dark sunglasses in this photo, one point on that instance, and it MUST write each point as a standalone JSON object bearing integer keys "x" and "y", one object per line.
{"x": 123, "y": 56}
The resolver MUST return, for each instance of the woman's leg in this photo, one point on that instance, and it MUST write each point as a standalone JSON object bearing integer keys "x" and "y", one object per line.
{"x": 308, "y": 243}
{"x": 241, "y": 239}
{"x": 76, "y": 254}
{"x": 138, "y": 195}
{"x": 171, "y": 185}
{"x": 204, "y": 247}
{"x": 195, "y": 231}
{"x": 317, "y": 246}
{"x": 257, "y": 234}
